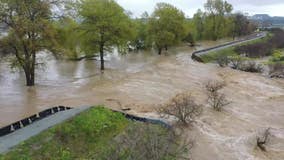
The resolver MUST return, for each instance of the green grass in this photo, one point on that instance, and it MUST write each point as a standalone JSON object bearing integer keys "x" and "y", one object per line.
{"x": 230, "y": 51}
{"x": 98, "y": 134}
{"x": 86, "y": 135}
{"x": 212, "y": 56}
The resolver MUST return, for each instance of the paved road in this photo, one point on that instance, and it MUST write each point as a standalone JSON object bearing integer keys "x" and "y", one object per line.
{"x": 229, "y": 44}
{"x": 9, "y": 141}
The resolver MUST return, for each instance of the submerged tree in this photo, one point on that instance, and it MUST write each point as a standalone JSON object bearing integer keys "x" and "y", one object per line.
{"x": 105, "y": 24}
{"x": 30, "y": 31}
{"x": 166, "y": 26}
{"x": 69, "y": 37}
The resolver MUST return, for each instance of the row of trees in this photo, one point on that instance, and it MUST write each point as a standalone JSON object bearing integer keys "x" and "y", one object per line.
{"x": 89, "y": 27}
{"x": 218, "y": 21}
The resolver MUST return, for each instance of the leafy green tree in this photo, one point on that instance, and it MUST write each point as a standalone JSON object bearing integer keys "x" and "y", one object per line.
{"x": 30, "y": 31}
{"x": 105, "y": 24}
{"x": 166, "y": 26}
{"x": 69, "y": 37}
{"x": 242, "y": 26}
{"x": 198, "y": 20}
{"x": 216, "y": 10}
{"x": 140, "y": 40}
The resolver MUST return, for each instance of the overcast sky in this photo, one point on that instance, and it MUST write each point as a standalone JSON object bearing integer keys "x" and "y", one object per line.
{"x": 271, "y": 7}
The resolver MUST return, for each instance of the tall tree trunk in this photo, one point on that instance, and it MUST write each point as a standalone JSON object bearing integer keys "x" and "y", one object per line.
{"x": 33, "y": 68}
{"x": 29, "y": 69}
{"x": 159, "y": 50}
{"x": 29, "y": 80}
{"x": 102, "y": 56}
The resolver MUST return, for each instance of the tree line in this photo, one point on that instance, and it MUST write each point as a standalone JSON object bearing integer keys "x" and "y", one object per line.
{"x": 88, "y": 28}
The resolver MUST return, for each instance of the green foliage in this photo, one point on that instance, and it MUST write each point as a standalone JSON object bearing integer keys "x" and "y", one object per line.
{"x": 105, "y": 25}
{"x": 68, "y": 37}
{"x": 100, "y": 134}
{"x": 80, "y": 137}
{"x": 30, "y": 31}
{"x": 140, "y": 40}
{"x": 190, "y": 39}
{"x": 278, "y": 56}
{"x": 166, "y": 26}
{"x": 213, "y": 56}
{"x": 198, "y": 24}
{"x": 217, "y": 22}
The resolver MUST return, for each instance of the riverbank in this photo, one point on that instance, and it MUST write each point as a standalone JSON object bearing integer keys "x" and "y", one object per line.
{"x": 142, "y": 81}
{"x": 96, "y": 133}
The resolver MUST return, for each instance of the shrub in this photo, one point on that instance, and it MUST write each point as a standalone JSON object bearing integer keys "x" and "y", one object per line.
{"x": 236, "y": 62}
{"x": 251, "y": 66}
{"x": 263, "y": 48}
{"x": 189, "y": 39}
{"x": 277, "y": 56}
{"x": 183, "y": 107}
{"x": 147, "y": 142}
{"x": 256, "y": 50}
{"x": 223, "y": 61}
{"x": 215, "y": 99}
{"x": 263, "y": 139}
{"x": 276, "y": 70}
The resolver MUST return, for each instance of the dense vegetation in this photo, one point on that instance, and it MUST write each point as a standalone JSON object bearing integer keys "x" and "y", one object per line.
{"x": 263, "y": 48}
{"x": 87, "y": 28}
{"x": 99, "y": 134}
{"x": 244, "y": 57}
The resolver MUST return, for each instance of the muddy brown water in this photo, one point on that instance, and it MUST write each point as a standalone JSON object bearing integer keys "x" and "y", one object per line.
{"x": 141, "y": 80}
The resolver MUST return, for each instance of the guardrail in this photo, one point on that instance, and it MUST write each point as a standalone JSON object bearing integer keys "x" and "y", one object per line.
{"x": 197, "y": 57}
{"x": 29, "y": 120}
{"x": 48, "y": 112}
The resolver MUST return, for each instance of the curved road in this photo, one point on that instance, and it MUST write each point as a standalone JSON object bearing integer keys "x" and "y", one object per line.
{"x": 196, "y": 55}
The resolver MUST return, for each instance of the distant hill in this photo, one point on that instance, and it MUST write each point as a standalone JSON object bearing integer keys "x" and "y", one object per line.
{"x": 266, "y": 21}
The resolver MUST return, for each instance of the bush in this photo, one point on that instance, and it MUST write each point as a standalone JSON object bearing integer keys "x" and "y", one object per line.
{"x": 251, "y": 66}
{"x": 276, "y": 70}
{"x": 236, "y": 62}
{"x": 183, "y": 107}
{"x": 277, "y": 56}
{"x": 263, "y": 48}
{"x": 215, "y": 99}
{"x": 189, "y": 39}
{"x": 147, "y": 142}
{"x": 263, "y": 139}
{"x": 223, "y": 61}
{"x": 256, "y": 50}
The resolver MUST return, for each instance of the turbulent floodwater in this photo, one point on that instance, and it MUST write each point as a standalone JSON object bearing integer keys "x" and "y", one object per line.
{"x": 141, "y": 80}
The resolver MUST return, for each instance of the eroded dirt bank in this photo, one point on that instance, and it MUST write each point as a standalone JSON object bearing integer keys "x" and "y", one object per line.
{"x": 140, "y": 81}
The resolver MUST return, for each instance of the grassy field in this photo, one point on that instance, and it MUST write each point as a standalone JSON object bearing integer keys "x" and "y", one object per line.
{"x": 98, "y": 134}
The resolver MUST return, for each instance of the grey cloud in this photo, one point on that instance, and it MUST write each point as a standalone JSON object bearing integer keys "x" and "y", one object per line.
{"x": 272, "y": 7}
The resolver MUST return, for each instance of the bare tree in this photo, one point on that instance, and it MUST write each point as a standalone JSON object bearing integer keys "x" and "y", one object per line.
{"x": 148, "y": 142}
{"x": 216, "y": 99}
{"x": 263, "y": 139}
{"x": 183, "y": 107}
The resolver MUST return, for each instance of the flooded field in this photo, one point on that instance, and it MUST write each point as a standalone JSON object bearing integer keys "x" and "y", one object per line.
{"x": 141, "y": 80}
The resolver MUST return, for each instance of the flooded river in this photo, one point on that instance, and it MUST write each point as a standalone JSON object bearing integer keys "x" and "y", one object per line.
{"x": 141, "y": 80}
